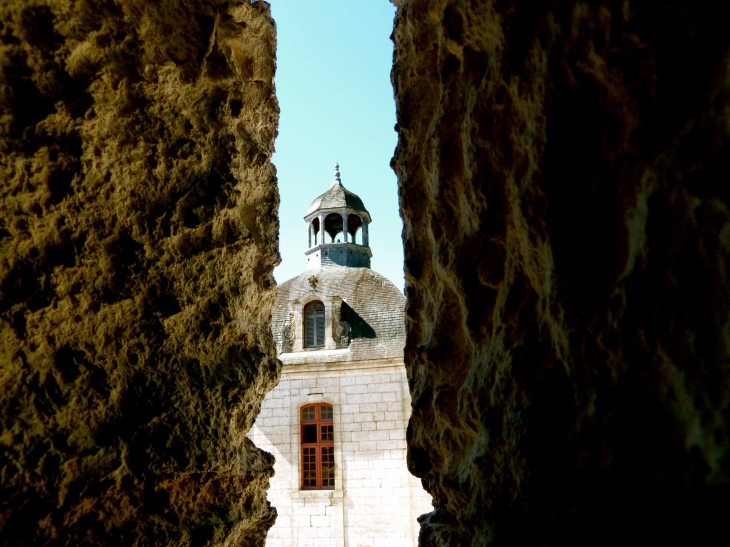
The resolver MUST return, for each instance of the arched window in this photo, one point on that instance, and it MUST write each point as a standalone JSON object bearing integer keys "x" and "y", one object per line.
{"x": 318, "y": 447}
{"x": 314, "y": 325}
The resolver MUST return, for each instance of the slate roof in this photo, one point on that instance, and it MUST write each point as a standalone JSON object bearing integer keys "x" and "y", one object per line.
{"x": 376, "y": 310}
{"x": 337, "y": 197}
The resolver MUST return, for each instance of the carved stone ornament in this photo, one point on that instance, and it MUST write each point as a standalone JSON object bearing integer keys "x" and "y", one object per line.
{"x": 313, "y": 282}
{"x": 341, "y": 330}
{"x": 288, "y": 336}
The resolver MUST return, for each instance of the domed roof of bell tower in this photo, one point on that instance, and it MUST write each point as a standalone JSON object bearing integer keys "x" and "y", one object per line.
{"x": 337, "y": 197}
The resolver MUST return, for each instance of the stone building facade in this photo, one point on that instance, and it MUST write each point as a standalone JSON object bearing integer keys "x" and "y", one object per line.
{"x": 340, "y": 335}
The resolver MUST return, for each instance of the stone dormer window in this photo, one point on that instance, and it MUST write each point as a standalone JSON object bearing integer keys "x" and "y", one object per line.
{"x": 315, "y": 322}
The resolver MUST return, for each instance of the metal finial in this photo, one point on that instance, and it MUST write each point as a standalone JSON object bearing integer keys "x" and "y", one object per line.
{"x": 337, "y": 179}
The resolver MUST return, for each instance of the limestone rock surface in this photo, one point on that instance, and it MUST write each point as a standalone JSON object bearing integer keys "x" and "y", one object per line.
{"x": 138, "y": 233}
{"x": 563, "y": 176}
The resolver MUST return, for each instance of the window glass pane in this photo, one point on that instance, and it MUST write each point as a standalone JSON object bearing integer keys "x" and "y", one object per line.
{"x": 326, "y": 412}
{"x": 309, "y": 320}
{"x": 309, "y": 434}
{"x": 314, "y": 325}
{"x": 309, "y": 467}
{"x": 320, "y": 325}
{"x": 308, "y": 413}
{"x": 328, "y": 466}
{"x": 327, "y": 433}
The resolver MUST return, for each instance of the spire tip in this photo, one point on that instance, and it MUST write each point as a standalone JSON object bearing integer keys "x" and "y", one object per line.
{"x": 337, "y": 179}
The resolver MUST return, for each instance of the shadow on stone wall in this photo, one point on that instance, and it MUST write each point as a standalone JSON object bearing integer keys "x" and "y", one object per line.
{"x": 360, "y": 327}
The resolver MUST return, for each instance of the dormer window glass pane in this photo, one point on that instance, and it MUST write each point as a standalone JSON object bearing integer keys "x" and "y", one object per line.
{"x": 314, "y": 325}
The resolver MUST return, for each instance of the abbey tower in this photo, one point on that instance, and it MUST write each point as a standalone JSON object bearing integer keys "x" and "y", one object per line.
{"x": 336, "y": 422}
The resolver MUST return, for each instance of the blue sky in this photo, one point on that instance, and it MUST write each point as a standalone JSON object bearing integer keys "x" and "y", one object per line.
{"x": 333, "y": 85}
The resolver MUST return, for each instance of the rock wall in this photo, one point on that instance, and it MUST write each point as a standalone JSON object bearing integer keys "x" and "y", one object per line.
{"x": 138, "y": 233}
{"x": 563, "y": 173}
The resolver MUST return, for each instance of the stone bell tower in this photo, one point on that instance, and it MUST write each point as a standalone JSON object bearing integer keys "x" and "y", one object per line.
{"x": 337, "y": 229}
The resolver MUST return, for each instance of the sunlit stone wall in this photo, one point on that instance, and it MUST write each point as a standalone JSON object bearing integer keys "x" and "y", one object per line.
{"x": 376, "y": 501}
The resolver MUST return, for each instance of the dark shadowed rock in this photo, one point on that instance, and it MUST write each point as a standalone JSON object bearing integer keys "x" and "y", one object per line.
{"x": 563, "y": 172}
{"x": 138, "y": 234}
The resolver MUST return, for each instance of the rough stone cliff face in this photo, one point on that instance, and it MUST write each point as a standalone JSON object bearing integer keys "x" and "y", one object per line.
{"x": 138, "y": 234}
{"x": 563, "y": 171}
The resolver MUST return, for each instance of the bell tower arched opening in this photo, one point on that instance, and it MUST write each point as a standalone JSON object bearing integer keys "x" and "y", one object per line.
{"x": 314, "y": 233}
{"x": 354, "y": 223}
{"x": 333, "y": 227}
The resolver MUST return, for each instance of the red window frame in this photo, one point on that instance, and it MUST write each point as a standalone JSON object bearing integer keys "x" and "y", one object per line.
{"x": 317, "y": 439}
